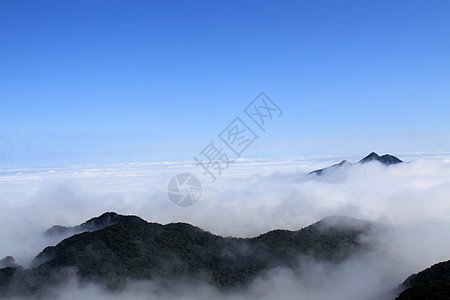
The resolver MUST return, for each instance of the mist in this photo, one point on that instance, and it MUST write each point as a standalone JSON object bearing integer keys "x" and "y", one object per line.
{"x": 411, "y": 200}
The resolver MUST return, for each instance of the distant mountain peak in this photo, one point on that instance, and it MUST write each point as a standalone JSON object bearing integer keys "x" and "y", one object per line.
{"x": 370, "y": 157}
{"x": 386, "y": 159}
{"x": 336, "y": 166}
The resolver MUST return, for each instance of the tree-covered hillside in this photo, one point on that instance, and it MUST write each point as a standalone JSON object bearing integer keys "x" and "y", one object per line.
{"x": 142, "y": 250}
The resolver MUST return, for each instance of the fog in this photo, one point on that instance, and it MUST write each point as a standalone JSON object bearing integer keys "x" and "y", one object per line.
{"x": 412, "y": 200}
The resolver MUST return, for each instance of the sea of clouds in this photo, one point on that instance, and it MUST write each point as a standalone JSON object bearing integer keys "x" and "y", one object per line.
{"x": 252, "y": 197}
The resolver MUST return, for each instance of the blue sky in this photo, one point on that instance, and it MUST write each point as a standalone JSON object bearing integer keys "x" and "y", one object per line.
{"x": 123, "y": 81}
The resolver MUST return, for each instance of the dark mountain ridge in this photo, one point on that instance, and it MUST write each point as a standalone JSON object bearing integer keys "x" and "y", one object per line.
{"x": 385, "y": 159}
{"x": 96, "y": 223}
{"x": 141, "y": 250}
{"x": 333, "y": 167}
{"x": 432, "y": 283}
{"x": 132, "y": 248}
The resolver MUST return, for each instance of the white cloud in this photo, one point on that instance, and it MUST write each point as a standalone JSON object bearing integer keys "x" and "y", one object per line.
{"x": 253, "y": 196}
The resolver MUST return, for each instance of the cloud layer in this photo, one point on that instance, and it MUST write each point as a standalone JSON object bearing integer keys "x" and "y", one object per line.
{"x": 253, "y": 196}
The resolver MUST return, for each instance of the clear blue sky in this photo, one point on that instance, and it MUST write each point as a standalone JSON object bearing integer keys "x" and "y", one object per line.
{"x": 122, "y": 81}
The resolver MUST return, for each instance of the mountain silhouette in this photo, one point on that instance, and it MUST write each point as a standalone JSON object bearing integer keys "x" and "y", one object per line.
{"x": 105, "y": 220}
{"x": 386, "y": 160}
{"x": 136, "y": 249}
{"x": 333, "y": 167}
{"x": 431, "y": 284}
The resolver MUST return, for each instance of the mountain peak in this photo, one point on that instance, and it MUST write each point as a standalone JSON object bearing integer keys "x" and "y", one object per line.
{"x": 96, "y": 223}
{"x": 386, "y": 159}
{"x": 344, "y": 162}
{"x": 336, "y": 166}
{"x": 372, "y": 156}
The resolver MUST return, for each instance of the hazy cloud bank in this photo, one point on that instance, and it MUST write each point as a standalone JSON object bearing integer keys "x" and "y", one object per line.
{"x": 411, "y": 199}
